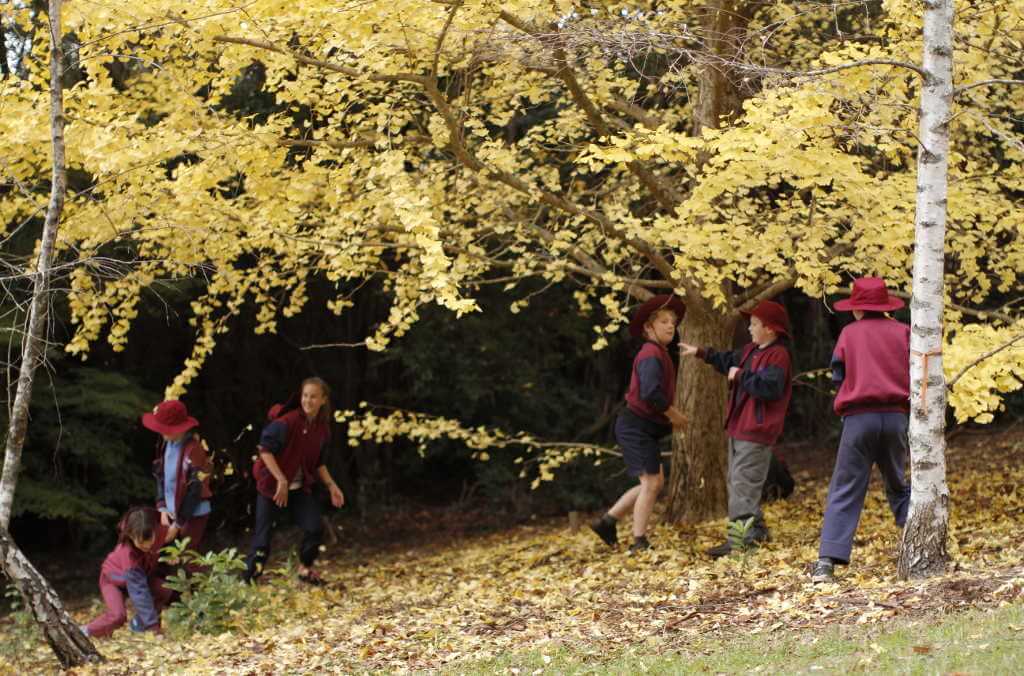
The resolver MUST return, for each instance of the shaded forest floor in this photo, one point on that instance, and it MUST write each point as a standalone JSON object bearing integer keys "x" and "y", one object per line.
{"x": 456, "y": 604}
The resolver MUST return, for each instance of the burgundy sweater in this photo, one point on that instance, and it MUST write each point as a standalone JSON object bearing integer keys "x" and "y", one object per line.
{"x": 652, "y": 384}
{"x": 295, "y": 443}
{"x": 760, "y": 393}
{"x": 871, "y": 365}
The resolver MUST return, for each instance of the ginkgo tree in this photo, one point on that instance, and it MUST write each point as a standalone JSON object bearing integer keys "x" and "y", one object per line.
{"x": 725, "y": 150}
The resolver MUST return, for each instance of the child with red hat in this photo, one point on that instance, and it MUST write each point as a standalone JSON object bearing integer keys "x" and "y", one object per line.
{"x": 871, "y": 366}
{"x": 760, "y": 385}
{"x": 182, "y": 471}
{"x": 648, "y": 416}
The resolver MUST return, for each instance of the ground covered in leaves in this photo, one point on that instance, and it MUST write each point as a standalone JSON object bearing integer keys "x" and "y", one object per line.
{"x": 450, "y": 605}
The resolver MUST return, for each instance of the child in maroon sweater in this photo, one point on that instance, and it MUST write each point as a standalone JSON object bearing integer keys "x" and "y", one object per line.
{"x": 291, "y": 461}
{"x": 871, "y": 366}
{"x": 129, "y": 570}
{"x": 649, "y": 415}
{"x": 760, "y": 385}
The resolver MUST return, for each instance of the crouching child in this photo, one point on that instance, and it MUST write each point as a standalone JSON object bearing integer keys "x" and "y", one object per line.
{"x": 129, "y": 571}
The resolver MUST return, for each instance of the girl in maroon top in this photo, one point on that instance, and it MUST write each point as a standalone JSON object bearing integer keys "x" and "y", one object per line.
{"x": 129, "y": 571}
{"x": 649, "y": 415}
{"x": 291, "y": 461}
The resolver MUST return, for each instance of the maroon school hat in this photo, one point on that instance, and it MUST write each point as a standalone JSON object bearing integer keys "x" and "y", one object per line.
{"x": 869, "y": 293}
{"x": 650, "y": 306}
{"x": 169, "y": 417}
{"x": 772, "y": 314}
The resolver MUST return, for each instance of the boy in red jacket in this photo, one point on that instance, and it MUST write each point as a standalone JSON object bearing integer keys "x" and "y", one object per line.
{"x": 871, "y": 365}
{"x": 760, "y": 385}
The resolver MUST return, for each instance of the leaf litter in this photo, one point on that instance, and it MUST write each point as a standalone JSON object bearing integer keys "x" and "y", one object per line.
{"x": 543, "y": 586}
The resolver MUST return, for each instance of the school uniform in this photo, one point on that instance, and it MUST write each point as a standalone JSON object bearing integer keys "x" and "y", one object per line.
{"x": 298, "y": 446}
{"x": 128, "y": 571}
{"x": 652, "y": 388}
{"x": 755, "y": 416}
{"x": 182, "y": 472}
{"x": 871, "y": 366}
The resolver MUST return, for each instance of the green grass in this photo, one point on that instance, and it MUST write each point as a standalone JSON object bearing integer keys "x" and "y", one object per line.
{"x": 974, "y": 642}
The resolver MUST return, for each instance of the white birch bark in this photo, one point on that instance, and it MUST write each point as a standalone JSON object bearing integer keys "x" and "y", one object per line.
{"x": 923, "y": 547}
{"x": 71, "y": 646}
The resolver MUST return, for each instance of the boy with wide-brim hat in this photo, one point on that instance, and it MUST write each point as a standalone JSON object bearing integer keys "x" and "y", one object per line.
{"x": 760, "y": 386}
{"x": 648, "y": 416}
{"x": 871, "y": 367}
{"x": 182, "y": 470}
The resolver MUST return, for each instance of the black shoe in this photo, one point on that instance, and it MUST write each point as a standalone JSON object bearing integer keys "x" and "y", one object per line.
{"x": 719, "y": 551}
{"x": 823, "y": 571}
{"x": 605, "y": 529}
{"x": 639, "y": 544}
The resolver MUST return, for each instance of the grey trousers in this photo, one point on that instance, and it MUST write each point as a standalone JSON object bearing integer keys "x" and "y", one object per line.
{"x": 748, "y": 468}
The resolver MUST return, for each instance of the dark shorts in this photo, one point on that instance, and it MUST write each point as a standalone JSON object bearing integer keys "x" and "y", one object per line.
{"x": 638, "y": 439}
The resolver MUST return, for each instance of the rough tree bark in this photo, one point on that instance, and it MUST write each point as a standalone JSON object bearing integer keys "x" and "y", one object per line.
{"x": 923, "y": 547}
{"x": 696, "y": 484}
{"x": 71, "y": 647}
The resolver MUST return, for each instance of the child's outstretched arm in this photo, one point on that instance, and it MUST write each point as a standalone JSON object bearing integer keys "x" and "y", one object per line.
{"x": 146, "y": 615}
{"x": 720, "y": 361}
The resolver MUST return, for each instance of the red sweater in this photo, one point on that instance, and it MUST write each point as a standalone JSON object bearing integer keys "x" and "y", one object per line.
{"x": 871, "y": 365}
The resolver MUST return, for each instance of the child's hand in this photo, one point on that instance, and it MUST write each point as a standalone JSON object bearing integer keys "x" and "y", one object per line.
{"x": 733, "y": 370}
{"x": 337, "y": 497}
{"x": 687, "y": 350}
{"x": 165, "y": 519}
{"x": 281, "y": 494}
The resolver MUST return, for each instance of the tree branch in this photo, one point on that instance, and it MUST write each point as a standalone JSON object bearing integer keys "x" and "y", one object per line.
{"x": 980, "y": 314}
{"x": 326, "y": 65}
{"x": 665, "y": 195}
{"x": 985, "y": 83}
{"x": 990, "y": 353}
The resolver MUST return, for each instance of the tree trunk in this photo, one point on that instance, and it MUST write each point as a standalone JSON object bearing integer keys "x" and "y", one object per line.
{"x": 923, "y": 546}
{"x": 724, "y": 31}
{"x": 71, "y": 647}
{"x": 696, "y": 484}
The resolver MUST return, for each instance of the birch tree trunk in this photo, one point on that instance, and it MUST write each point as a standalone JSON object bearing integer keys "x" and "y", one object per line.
{"x": 70, "y": 645}
{"x": 923, "y": 547}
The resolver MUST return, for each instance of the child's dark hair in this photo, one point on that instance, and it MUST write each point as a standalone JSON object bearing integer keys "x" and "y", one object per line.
{"x": 138, "y": 523}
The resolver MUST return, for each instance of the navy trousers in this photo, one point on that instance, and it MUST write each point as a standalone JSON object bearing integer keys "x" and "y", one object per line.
{"x": 868, "y": 439}
{"x": 305, "y": 512}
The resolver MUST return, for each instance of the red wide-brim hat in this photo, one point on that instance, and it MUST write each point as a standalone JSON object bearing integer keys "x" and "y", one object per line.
{"x": 869, "y": 293}
{"x": 652, "y": 305}
{"x": 772, "y": 314}
{"x": 169, "y": 417}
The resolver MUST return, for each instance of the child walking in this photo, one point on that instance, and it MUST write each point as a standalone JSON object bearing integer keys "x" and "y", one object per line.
{"x": 129, "y": 570}
{"x": 182, "y": 472}
{"x": 871, "y": 366}
{"x": 760, "y": 385}
{"x": 291, "y": 460}
{"x": 648, "y": 416}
